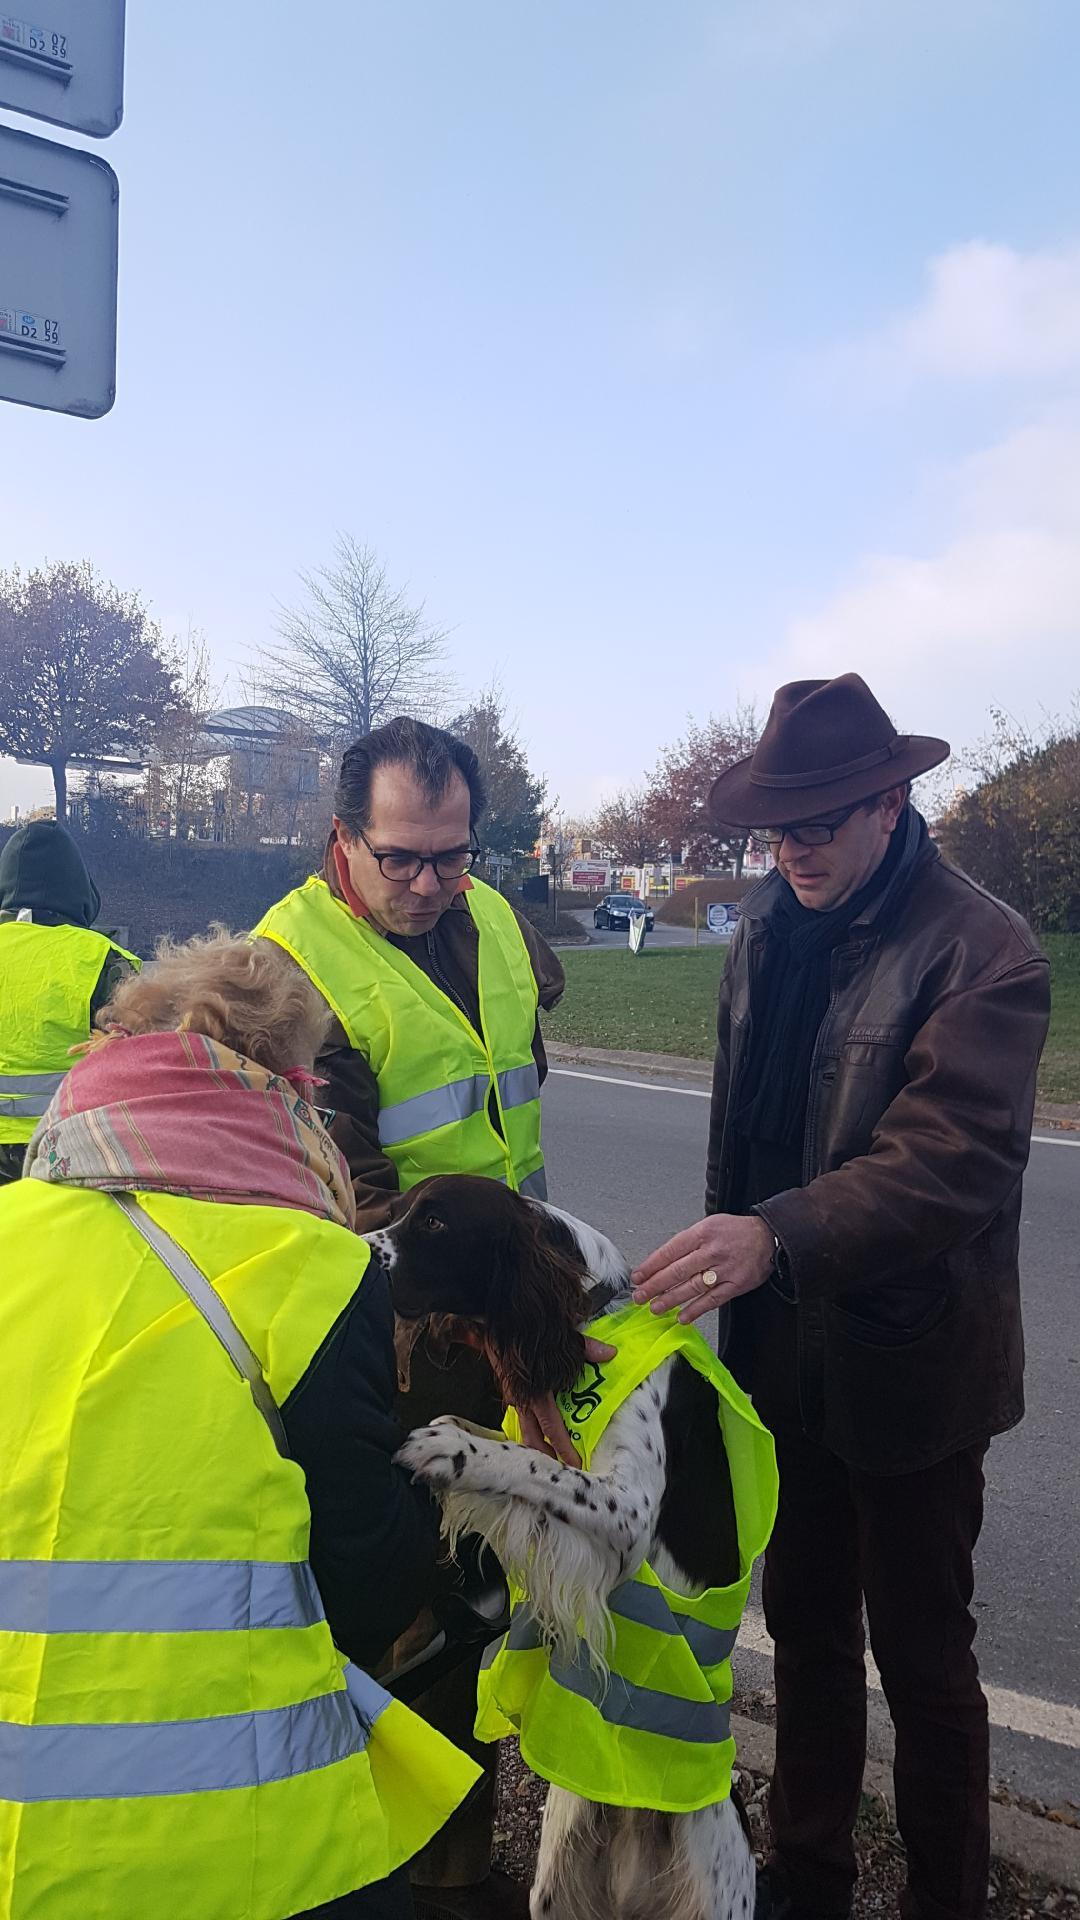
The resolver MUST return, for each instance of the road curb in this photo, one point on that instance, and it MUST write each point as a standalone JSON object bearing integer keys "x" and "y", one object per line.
{"x": 1063, "y": 1119}
{"x": 1022, "y": 1839}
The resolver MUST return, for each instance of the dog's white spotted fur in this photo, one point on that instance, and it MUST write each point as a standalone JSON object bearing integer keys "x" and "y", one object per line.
{"x": 615, "y": 1863}
{"x": 382, "y": 1244}
{"x": 569, "y": 1537}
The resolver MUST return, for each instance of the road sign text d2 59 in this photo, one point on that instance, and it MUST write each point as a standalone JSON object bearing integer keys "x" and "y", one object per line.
{"x": 59, "y": 222}
{"x": 63, "y": 61}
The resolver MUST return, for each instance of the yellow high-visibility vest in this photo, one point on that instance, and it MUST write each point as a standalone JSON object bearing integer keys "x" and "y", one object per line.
{"x": 438, "y": 1077}
{"x": 656, "y": 1730}
{"x": 178, "y": 1734}
{"x": 47, "y": 981}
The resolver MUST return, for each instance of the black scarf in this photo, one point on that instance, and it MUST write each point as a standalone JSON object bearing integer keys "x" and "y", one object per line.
{"x": 793, "y": 1000}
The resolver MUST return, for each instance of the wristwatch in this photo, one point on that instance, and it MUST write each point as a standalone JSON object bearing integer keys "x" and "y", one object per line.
{"x": 781, "y": 1275}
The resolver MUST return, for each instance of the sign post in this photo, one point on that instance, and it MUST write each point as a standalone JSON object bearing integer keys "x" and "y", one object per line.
{"x": 59, "y": 206}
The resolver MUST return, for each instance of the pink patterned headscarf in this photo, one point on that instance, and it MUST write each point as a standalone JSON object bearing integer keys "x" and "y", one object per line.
{"x": 178, "y": 1113}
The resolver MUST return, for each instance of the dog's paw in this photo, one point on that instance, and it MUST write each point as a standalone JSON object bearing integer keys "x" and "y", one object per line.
{"x": 437, "y": 1455}
{"x": 492, "y": 1434}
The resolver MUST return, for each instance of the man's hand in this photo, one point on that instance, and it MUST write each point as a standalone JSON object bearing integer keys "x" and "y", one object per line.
{"x": 542, "y": 1425}
{"x": 706, "y": 1266}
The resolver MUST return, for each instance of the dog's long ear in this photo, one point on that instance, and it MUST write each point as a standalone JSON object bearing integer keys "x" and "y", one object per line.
{"x": 536, "y": 1304}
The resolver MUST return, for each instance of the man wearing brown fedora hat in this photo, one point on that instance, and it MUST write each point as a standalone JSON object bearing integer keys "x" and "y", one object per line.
{"x": 881, "y": 1019}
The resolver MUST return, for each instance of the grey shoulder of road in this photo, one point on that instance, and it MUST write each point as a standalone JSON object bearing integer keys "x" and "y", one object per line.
{"x": 1064, "y": 1119}
{"x": 1023, "y": 1839}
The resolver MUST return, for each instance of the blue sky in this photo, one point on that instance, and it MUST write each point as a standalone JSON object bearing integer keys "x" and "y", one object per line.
{"x": 667, "y": 351}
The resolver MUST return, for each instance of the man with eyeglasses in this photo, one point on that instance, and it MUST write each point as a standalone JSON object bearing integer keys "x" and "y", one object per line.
{"x": 433, "y": 1065}
{"x": 880, "y": 1025}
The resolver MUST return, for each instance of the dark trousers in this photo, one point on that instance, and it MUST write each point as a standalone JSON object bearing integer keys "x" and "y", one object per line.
{"x": 903, "y": 1543}
{"x": 386, "y": 1900}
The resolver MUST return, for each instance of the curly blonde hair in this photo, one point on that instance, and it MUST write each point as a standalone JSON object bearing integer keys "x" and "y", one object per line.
{"x": 246, "y": 994}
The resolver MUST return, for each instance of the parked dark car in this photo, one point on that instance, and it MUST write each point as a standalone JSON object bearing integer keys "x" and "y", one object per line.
{"x": 614, "y": 910}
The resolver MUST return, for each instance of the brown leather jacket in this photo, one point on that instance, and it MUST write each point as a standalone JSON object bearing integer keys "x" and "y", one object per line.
{"x": 900, "y": 1248}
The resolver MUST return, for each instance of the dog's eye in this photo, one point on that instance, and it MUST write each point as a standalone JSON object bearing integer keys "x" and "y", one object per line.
{"x": 434, "y": 1224}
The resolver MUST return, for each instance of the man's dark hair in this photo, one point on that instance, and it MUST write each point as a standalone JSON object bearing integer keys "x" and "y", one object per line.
{"x": 429, "y": 754}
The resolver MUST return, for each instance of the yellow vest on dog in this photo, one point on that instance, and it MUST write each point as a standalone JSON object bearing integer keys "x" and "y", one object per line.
{"x": 47, "y": 981}
{"x": 437, "y": 1076}
{"x": 179, "y": 1735}
{"x": 656, "y": 1730}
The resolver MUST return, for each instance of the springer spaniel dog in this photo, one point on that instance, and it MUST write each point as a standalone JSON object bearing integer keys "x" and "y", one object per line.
{"x": 526, "y": 1278}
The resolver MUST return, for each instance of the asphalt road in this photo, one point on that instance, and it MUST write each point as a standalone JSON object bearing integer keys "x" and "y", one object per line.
{"x": 630, "y": 1157}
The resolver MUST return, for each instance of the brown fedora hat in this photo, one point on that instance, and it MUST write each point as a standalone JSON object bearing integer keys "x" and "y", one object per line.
{"x": 827, "y": 744}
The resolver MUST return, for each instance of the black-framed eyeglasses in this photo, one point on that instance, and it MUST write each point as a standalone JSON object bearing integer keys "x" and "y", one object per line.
{"x": 399, "y": 864}
{"x": 805, "y": 833}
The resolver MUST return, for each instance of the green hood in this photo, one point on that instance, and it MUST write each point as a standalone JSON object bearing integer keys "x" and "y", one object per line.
{"x": 41, "y": 868}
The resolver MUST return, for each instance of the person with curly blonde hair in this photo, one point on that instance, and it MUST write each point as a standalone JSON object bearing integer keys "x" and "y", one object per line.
{"x": 187, "y": 1719}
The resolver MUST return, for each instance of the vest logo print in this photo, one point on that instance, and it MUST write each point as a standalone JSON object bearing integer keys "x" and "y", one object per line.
{"x": 584, "y": 1398}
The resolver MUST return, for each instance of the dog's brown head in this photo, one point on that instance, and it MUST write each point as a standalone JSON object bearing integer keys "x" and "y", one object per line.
{"x": 513, "y": 1269}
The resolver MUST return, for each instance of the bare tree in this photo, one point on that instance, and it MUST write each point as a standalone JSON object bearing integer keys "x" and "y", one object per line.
{"x": 84, "y": 672}
{"x": 625, "y": 827}
{"x": 182, "y": 779}
{"x": 515, "y": 795}
{"x": 559, "y": 841}
{"x": 355, "y": 652}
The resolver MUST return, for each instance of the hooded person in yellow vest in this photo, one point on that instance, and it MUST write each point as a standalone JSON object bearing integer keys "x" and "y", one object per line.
{"x": 55, "y": 975}
{"x": 434, "y": 1063}
{"x": 191, "y": 1339}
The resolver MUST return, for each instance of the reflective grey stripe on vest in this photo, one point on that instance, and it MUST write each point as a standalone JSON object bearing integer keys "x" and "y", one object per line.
{"x": 534, "y": 1185}
{"x": 127, "y": 1762}
{"x": 519, "y": 1085}
{"x": 156, "y": 1596}
{"x": 27, "y": 1095}
{"x": 425, "y": 1112}
{"x": 619, "y": 1701}
{"x": 646, "y": 1605}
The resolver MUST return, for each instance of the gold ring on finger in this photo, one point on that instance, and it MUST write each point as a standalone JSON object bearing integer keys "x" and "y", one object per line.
{"x": 709, "y": 1277}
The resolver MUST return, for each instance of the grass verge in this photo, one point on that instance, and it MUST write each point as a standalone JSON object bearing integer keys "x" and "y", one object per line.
{"x": 1059, "y": 1076}
{"x": 663, "y": 1000}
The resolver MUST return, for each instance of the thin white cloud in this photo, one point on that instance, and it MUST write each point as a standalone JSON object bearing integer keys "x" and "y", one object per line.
{"x": 1032, "y": 478}
{"x": 989, "y": 313}
{"x": 992, "y": 617}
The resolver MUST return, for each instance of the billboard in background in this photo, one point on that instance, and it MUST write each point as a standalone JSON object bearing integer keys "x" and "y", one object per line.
{"x": 590, "y": 879}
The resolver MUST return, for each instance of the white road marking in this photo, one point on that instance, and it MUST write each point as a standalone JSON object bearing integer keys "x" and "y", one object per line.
{"x": 703, "y": 1093}
{"x": 1019, "y": 1712}
{"x": 643, "y": 1086}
